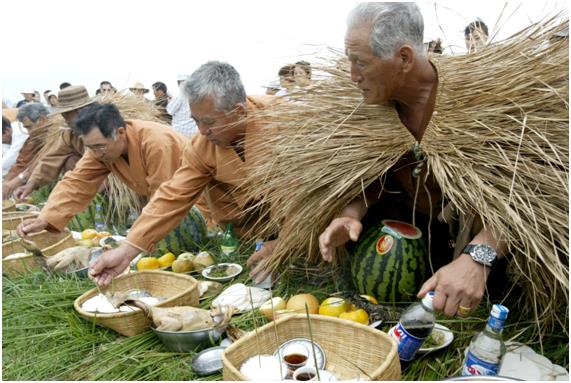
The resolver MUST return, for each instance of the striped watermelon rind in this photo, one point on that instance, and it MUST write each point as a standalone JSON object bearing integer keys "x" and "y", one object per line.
{"x": 392, "y": 276}
{"x": 189, "y": 235}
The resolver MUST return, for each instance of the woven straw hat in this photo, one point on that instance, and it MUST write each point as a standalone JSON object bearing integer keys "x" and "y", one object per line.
{"x": 139, "y": 86}
{"x": 71, "y": 98}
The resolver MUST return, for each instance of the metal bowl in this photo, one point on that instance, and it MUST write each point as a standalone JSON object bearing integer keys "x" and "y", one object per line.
{"x": 188, "y": 341}
{"x": 480, "y": 378}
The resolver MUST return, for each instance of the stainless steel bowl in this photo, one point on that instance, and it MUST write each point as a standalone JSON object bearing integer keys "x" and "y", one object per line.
{"x": 480, "y": 378}
{"x": 187, "y": 341}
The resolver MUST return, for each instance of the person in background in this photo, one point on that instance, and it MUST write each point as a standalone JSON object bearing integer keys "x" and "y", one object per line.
{"x": 105, "y": 88}
{"x": 302, "y": 73}
{"x": 287, "y": 81}
{"x": 28, "y": 97}
{"x": 64, "y": 85}
{"x": 34, "y": 118}
{"x": 178, "y": 108}
{"x": 272, "y": 88}
{"x": 435, "y": 46}
{"x": 476, "y": 36}
{"x": 161, "y": 101}
{"x": 139, "y": 90}
{"x": 37, "y": 96}
{"x": 6, "y": 136}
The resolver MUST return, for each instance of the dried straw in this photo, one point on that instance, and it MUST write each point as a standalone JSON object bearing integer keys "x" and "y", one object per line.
{"x": 498, "y": 145}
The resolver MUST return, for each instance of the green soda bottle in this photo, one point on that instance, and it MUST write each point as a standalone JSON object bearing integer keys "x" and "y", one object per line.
{"x": 229, "y": 243}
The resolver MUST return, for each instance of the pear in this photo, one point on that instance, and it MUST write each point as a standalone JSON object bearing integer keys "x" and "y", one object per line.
{"x": 202, "y": 260}
{"x": 181, "y": 266}
{"x": 188, "y": 256}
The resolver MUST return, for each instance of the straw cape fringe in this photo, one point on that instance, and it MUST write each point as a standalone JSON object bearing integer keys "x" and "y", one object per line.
{"x": 498, "y": 145}
{"x": 122, "y": 199}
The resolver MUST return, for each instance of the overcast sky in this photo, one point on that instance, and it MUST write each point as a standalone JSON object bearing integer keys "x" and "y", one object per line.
{"x": 124, "y": 41}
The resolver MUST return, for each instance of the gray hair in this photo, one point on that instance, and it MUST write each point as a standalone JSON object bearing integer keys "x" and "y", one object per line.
{"x": 394, "y": 24}
{"x": 218, "y": 80}
{"x": 33, "y": 111}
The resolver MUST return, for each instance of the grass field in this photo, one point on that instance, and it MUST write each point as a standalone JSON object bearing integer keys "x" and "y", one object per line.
{"x": 44, "y": 339}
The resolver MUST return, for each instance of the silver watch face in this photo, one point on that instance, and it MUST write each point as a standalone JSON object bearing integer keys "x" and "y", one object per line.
{"x": 483, "y": 253}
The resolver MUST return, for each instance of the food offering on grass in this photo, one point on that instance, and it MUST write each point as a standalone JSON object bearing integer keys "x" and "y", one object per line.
{"x": 183, "y": 263}
{"x": 69, "y": 260}
{"x": 270, "y": 308}
{"x": 263, "y": 367}
{"x": 111, "y": 242}
{"x": 297, "y": 303}
{"x": 26, "y": 207}
{"x": 202, "y": 260}
{"x": 243, "y": 298}
{"x": 440, "y": 337}
{"x": 186, "y": 318}
{"x": 109, "y": 304}
{"x": 90, "y": 238}
{"x": 222, "y": 272}
{"x": 209, "y": 289}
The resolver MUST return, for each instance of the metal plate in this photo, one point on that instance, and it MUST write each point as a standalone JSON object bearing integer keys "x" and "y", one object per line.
{"x": 208, "y": 361}
{"x": 320, "y": 354}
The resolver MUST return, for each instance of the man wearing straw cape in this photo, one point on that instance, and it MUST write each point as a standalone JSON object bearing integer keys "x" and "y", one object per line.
{"x": 214, "y": 164}
{"x": 447, "y": 141}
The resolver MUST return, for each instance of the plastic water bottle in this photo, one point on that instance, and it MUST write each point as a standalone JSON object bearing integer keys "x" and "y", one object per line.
{"x": 414, "y": 326}
{"x": 487, "y": 348}
{"x": 229, "y": 243}
{"x": 100, "y": 224}
{"x": 266, "y": 283}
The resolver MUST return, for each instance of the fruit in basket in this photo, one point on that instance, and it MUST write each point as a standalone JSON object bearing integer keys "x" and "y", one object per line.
{"x": 297, "y": 303}
{"x": 88, "y": 234}
{"x": 202, "y": 260}
{"x": 359, "y": 316}
{"x": 181, "y": 266}
{"x": 266, "y": 309}
{"x": 167, "y": 259}
{"x": 333, "y": 306}
{"x": 148, "y": 263}
{"x": 389, "y": 262}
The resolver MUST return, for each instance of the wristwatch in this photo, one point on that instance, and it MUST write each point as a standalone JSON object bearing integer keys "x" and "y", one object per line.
{"x": 484, "y": 254}
{"x": 22, "y": 178}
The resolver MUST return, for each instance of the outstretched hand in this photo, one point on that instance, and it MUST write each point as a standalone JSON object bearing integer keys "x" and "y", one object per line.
{"x": 338, "y": 233}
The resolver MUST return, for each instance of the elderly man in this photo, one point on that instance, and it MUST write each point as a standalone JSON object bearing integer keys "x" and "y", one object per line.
{"x": 214, "y": 163}
{"x": 34, "y": 118}
{"x": 142, "y": 154}
{"x": 67, "y": 147}
{"x": 384, "y": 44}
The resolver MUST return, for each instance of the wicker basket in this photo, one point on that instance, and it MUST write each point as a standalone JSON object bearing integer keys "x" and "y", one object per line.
{"x": 49, "y": 243}
{"x": 180, "y": 290}
{"x": 8, "y": 205}
{"x": 11, "y": 220}
{"x": 353, "y": 351}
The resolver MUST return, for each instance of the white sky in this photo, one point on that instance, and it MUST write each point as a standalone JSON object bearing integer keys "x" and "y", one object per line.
{"x": 123, "y": 41}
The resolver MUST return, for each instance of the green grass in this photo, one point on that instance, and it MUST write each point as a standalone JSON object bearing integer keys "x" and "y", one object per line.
{"x": 44, "y": 339}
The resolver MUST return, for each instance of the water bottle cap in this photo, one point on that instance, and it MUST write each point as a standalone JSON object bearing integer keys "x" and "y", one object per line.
{"x": 499, "y": 312}
{"x": 427, "y": 299}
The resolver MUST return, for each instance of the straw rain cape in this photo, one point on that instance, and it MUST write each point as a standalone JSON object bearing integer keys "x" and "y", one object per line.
{"x": 497, "y": 145}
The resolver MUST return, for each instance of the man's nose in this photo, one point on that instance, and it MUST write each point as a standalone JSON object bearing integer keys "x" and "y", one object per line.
{"x": 205, "y": 131}
{"x": 355, "y": 74}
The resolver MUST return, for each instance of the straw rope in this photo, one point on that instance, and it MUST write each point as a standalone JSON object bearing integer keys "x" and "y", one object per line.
{"x": 497, "y": 145}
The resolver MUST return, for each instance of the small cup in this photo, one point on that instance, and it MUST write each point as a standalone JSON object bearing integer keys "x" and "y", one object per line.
{"x": 295, "y": 356}
{"x": 305, "y": 373}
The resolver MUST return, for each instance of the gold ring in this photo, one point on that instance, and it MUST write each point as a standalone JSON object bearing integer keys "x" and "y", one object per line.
{"x": 462, "y": 311}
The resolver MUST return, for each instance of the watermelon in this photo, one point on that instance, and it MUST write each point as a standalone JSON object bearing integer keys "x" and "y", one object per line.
{"x": 389, "y": 262}
{"x": 187, "y": 236}
{"x": 86, "y": 219}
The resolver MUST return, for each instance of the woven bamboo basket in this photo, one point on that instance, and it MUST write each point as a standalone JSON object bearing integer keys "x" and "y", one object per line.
{"x": 8, "y": 205}
{"x": 11, "y": 220}
{"x": 353, "y": 351}
{"x": 49, "y": 243}
{"x": 179, "y": 289}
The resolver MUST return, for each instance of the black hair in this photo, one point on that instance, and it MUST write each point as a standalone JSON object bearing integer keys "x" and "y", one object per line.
{"x": 160, "y": 86}
{"x": 5, "y": 124}
{"x": 106, "y": 117}
{"x": 286, "y": 70}
{"x": 64, "y": 85}
{"x": 105, "y": 83}
{"x": 478, "y": 24}
{"x": 306, "y": 66}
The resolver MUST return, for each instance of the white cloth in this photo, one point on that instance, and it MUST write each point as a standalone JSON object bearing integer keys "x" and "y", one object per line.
{"x": 182, "y": 121}
{"x": 19, "y": 136}
{"x": 5, "y": 148}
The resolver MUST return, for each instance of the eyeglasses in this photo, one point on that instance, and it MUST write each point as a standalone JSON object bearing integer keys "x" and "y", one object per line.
{"x": 101, "y": 149}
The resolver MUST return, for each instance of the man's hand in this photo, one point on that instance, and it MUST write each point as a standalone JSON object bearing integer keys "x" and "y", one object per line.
{"x": 8, "y": 187}
{"x": 259, "y": 273}
{"x": 22, "y": 192}
{"x": 338, "y": 233}
{"x": 30, "y": 226}
{"x": 460, "y": 283}
{"x": 112, "y": 263}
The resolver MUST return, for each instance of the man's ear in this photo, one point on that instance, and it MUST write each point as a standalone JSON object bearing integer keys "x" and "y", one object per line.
{"x": 121, "y": 131}
{"x": 240, "y": 109}
{"x": 407, "y": 57}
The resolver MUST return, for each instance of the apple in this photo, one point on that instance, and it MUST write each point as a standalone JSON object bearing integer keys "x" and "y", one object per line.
{"x": 202, "y": 260}
{"x": 278, "y": 303}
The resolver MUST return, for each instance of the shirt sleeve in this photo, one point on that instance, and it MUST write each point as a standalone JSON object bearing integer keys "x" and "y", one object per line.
{"x": 50, "y": 163}
{"x": 74, "y": 192}
{"x": 174, "y": 198}
{"x": 174, "y": 105}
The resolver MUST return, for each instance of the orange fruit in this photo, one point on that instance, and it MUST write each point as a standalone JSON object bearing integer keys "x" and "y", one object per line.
{"x": 167, "y": 259}
{"x": 88, "y": 234}
{"x": 359, "y": 316}
{"x": 333, "y": 306}
{"x": 103, "y": 234}
{"x": 148, "y": 263}
{"x": 371, "y": 299}
{"x": 297, "y": 303}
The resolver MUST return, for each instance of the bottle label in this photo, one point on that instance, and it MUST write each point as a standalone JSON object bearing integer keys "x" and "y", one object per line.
{"x": 476, "y": 366}
{"x": 228, "y": 250}
{"x": 408, "y": 344}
